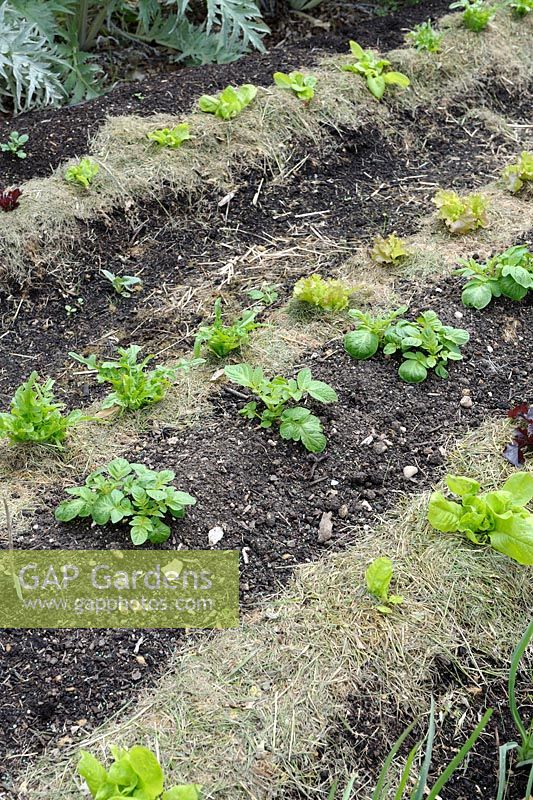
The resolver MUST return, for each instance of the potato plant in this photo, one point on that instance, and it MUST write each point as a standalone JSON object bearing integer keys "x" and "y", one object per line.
{"x": 83, "y": 173}
{"x": 375, "y": 71}
{"x": 123, "y": 491}
{"x": 229, "y": 103}
{"x": 303, "y": 86}
{"x": 461, "y": 214}
{"x": 327, "y": 294}
{"x": 510, "y": 274}
{"x": 15, "y": 144}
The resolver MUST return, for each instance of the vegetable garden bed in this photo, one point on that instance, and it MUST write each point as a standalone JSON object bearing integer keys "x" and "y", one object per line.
{"x": 342, "y": 681}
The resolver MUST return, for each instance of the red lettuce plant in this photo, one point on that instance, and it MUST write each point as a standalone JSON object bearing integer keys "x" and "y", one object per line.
{"x": 9, "y": 199}
{"x": 523, "y": 434}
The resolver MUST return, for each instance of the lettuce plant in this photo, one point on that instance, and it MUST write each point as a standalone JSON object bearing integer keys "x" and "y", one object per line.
{"x": 302, "y": 85}
{"x": 377, "y": 578}
{"x": 220, "y": 339}
{"x": 514, "y": 176}
{"x": 498, "y": 519}
{"x": 83, "y": 173}
{"x": 9, "y": 199}
{"x": 510, "y": 274}
{"x": 476, "y": 14}
{"x": 229, "y": 103}
{"x": 134, "y": 386}
{"x": 375, "y": 71}
{"x": 171, "y": 137}
{"x": 425, "y": 37}
{"x": 35, "y": 415}
{"x": 296, "y": 422}
{"x": 388, "y": 250}
{"x": 461, "y": 214}
{"x": 123, "y": 284}
{"x": 328, "y": 294}
{"x": 123, "y": 491}
{"x": 521, "y": 7}
{"x": 522, "y": 441}
{"x": 15, "y": 144}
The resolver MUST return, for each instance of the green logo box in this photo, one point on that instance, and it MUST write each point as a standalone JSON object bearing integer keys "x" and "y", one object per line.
{"x": 119, "y": 589}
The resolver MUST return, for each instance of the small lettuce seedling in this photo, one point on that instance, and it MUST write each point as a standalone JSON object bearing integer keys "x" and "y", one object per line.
{"x": 134, "y": 773}
{"x": 522, "y": 443}
{"x": 35, "y": 416}
{"x": 510, "y": 274}
{"x": 498, "y": 519}
{"x": 388, "y": 250}
{"x": 296, "y": 423}
{"x": 461, "y": 214}
{"x": 377, "y": 578}
{"x": 123, "y": 491}
{"x": 521, "y": 7}
{"x": 375, "y": 71}
{"x": 266, "y": 295}
{"x": 15, "y": 144}
{"x": 328, "y": 294}
{"x": 514, "y": 176}
{"x": 9, "y": 199}
{"x": 302, "y": 85}
{"x": 82, "y": 173}
{"x": 171, "y": 137}
{"x": 229, "y": 103}
{"x": 220, "y": 339}
{"x": 424, "y": 37}
{"x": 476, "y": 15}
{"x": 123, "y": 284}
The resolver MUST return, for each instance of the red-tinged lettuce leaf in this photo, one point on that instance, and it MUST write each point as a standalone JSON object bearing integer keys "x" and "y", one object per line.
{"x": 522, "y": 440}
{"x": 9, "y": 199}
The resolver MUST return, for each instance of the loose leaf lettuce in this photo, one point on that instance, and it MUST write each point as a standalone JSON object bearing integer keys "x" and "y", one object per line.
{"x": 229, "y": 103}
{"x": 514, "y": 176}
{"x": 388, "y": 250}
{"x": 328, "y": 294}
{"x": 523, "y": 435}
{"x": 375, "y": 71}
{"x": 302, "y": 85}
{"x": 378, "y": 577}
{"x": 461, "y": 214}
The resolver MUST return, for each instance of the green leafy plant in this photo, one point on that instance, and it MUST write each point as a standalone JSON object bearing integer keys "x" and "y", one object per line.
{"x": 510, "y": 274}
{"x": 461, "y": 214}
{"x": 375, "y": 71}
{"x": 424, "y": 344}
{"x": 421, "y": 791}
{"x": 476, "y": 14}
{"x": 524, "y": 748}
{"x": 302, "y": 85}
{"x": 35, "y": 415}
{"x": 123, "y": 284}
{"x": 498, "y": 518}
{"x": 122, "y": 491}
{"x": 134, "y": 773}
{"x": 521, "y": 7}
{"x": 267, "y": 294}
{"x": 15, "y": 144}
{"x": 229, "y": 103}
{"x": 425, "y": 37}
{"x": 328, "y": 294}
{"x": 82, "y": 173}
{"x": 377, "y": 578}
{"x": 514, "y": 176}
{"x": 296, "y": 423}
{"x": 171, "y": 137}
{"x": 134, "y": 386}
{"x": 220, "y": 339}
{"x": 388, "y": 250}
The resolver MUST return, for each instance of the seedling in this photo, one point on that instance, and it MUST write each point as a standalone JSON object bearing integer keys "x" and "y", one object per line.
{"x": 266, "y": 295}
{"x": 524, "y": 748}
{"x": 82, "y": 173}
{"x": 171, "y": 137}
{"x": 35, "y": 415}
{"x": 424, "y": 344}
{"x": 73, "y": 309}
{"x": 220, "y": 339}
{"x": 296, "y": 423}
{"x": 375, "y": 71}
{"x": 123, "y": 491}
{"x": 9, "y": 199}
{"x": 425, "y": 37}
{"x": 302, "y": 85}
{"x": 229, "y": 103}
{"x": 521, "y": 7}
{"x": 123, "y": 284}
{"x": 461, "y": 214}
{"x": 377, "y": 578}
{"x": 516, "y": 175}
{"x": 522, "y": 442}
{"x": 134, "y": 386}
{"x": 388, "y": 251}
{"x": 15, "y": 144}
{"x": 476, "y": 14}
{"x": 509, "y": 274}
{"x": 497, "y": 519}
{"x": 328, "y": 294}
{"x": 134, "y": 773}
